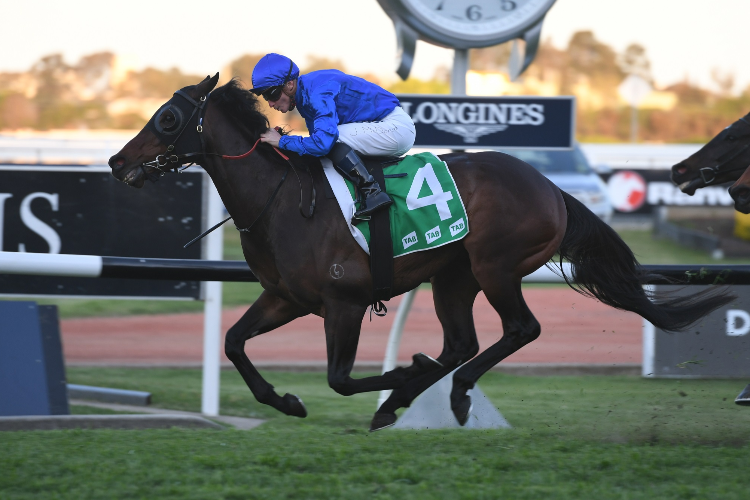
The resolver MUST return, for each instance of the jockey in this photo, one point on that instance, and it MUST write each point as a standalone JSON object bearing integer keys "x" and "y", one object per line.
{"x": 345, "y": 115}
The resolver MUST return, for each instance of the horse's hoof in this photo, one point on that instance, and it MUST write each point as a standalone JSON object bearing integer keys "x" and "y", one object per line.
{"x": 463, "y": 410}
{"x": 425, "y": 362}
{"x": 295, "y": 406}
{"x": 382, "y": 420}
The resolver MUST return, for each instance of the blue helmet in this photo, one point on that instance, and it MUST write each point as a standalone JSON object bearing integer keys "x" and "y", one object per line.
{"x": 273, "y": 70}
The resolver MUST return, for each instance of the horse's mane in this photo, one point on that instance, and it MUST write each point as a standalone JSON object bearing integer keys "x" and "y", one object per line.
{"x": 242, "y": 106}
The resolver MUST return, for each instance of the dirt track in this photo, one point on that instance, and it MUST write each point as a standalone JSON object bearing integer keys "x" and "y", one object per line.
{"x": 575, "y": 330}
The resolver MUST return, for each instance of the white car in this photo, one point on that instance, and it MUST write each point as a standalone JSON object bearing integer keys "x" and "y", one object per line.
{"x": 571, "y": 172}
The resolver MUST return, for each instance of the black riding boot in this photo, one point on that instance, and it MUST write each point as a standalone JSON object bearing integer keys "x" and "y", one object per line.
{"x": 350, "y": 166}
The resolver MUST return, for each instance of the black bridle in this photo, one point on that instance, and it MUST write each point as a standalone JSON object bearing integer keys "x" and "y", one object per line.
{"x": 709, "y": 174}
{"x": 171, "y": 161}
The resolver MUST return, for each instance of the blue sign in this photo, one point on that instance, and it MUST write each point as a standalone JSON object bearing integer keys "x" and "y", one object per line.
{"x": 32, "y": 371}
{"x": 461, "y": 122}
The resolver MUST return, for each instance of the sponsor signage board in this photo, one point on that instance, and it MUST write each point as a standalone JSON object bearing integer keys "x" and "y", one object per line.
{"x": 460, "y": 122}
{"x": 86, "y": 211}
{"x": 640, "y": 191}
{"x": 717, "y": 346}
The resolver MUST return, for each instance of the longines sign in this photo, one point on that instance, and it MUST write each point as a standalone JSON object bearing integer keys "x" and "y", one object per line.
{"x": 460, "y": 122}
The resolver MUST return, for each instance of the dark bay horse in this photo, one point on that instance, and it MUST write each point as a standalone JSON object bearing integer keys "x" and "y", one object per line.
{"x": 518, "y": 221}
{"x": 723, "y": 159}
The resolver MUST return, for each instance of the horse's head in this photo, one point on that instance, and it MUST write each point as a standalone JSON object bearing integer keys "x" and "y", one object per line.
{"x": 723, "y": 159}
{"x": 740, "y": 193}
{"x": 169, "y": 133}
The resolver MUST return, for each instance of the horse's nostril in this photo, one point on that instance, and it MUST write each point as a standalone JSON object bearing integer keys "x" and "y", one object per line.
{"x": 116, "y": 161}
{"x": 681, "y": 170}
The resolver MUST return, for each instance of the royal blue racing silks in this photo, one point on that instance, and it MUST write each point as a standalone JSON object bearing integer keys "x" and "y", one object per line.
{"x": 328, "y": 98}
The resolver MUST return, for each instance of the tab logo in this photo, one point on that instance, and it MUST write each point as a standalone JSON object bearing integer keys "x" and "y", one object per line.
{"x": 457, "y": 227}
{"x": 432, "y": 235}
{"x": 409, "y": 240}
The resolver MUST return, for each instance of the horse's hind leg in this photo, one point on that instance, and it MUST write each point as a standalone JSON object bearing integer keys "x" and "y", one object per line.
{"x": 454, "y": 290}
{"x": 267, "y": 313}
{"x": 519, "y": 328}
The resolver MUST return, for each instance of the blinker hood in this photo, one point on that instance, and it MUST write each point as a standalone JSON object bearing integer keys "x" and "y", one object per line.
{"x": 177, "y": 115}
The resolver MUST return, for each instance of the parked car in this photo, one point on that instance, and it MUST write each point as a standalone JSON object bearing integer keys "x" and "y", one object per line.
{"x": 571, "y": 172}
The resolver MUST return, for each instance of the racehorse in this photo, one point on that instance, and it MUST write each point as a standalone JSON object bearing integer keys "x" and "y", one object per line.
{"x": 740, "y": 193}
{"x": 723, "y": 159}
{"x": 518, "y": 221}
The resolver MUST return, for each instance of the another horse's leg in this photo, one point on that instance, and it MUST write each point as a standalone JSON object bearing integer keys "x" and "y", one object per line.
{"x": 267, "y": 313}
{"x": 519, "y": 328}
{"x": 454, "y": 290}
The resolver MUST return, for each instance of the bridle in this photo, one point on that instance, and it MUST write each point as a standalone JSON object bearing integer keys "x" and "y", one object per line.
{"x": 171, "y": 161}
{"x": 709, "y": 174}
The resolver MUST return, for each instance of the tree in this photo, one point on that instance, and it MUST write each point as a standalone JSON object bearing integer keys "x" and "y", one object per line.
{"x": 635, "y": 62}
{"x": 316, "y": 63}
{"x": 242, "y": 68}
{"x": 491, "y": 59}
{"x": 725, "y": 81}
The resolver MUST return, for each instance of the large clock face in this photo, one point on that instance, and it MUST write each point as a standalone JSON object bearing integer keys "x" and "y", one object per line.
{"x": 478, "y": 19}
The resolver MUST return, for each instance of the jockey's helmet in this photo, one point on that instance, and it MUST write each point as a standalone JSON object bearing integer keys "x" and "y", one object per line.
{"x": 273, "y": 70}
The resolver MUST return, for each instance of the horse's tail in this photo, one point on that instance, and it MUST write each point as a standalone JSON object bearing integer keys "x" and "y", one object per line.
{"x": 604, "y": 267}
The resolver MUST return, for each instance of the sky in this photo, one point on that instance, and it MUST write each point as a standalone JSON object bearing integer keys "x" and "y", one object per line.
{"x": 683, "y": 38}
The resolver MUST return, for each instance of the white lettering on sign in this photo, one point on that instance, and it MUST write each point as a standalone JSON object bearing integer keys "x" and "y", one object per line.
{"x": 737, "y": 328}
{"x": 409, "y": 240}
{"x": 666, "y": 193}
{"x": 3, "y": 197}
{"x": 439, "y": 198}
{"x": 457, "y": 226}
{"x": 35, "y": 224}
{"x": 432, "y": 235}
{"x": 476, "y": 113}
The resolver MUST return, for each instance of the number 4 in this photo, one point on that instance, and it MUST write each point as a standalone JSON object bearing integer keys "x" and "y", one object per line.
{"x": 439, "y": 198}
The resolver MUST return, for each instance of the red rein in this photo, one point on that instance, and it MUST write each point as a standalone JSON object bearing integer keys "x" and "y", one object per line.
{"x": 227, "y": 157}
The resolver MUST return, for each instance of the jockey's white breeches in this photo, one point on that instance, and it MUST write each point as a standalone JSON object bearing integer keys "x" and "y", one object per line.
{"x": 392, "y": 136}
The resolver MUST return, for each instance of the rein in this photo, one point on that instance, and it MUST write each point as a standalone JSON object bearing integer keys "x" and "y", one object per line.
{"x": 161, "y": 162}
{"x": 708, "y": 174}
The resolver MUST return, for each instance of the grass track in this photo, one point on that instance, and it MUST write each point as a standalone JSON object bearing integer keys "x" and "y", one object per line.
{"x": 573, "y": 438}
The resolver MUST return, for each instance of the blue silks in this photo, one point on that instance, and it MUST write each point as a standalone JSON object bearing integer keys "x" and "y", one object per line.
{"x": 328, "y": 98}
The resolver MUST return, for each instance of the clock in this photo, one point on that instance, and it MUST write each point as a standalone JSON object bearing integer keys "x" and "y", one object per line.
{"x": 466, "y": 24}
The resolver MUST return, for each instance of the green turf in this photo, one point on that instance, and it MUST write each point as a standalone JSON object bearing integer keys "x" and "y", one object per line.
{"x": 572, "y": 438}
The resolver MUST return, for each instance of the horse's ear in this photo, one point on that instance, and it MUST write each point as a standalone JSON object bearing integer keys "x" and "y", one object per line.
{"x": 208, "y": 84}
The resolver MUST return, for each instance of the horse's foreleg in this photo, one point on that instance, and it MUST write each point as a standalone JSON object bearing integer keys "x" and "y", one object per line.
{"x": 267, "y": 313}
{"x": 343, "y": 322}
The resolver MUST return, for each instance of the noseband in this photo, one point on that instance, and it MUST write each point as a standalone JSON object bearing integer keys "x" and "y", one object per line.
{"x": 708, "y": 174}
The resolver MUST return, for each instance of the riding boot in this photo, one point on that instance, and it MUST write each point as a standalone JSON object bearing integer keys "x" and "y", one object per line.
{"x": 347, "y": 162}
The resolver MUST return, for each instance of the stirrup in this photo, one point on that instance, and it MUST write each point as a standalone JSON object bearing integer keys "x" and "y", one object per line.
{"x": 368, "y": 210}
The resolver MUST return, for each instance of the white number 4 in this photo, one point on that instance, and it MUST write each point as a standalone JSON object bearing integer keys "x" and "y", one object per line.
{"x": 439, "y": 198}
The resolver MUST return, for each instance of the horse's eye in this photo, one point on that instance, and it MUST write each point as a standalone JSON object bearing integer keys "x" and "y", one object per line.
{"x": 168, "y": 119}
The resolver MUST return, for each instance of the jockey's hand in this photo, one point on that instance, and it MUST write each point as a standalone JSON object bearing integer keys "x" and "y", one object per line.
{"x": 271, "y": 137}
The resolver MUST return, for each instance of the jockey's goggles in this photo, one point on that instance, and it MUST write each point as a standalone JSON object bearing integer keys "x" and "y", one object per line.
{"x": 272, "y": 93}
